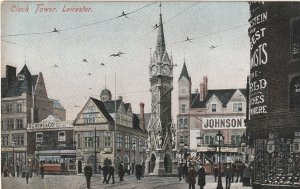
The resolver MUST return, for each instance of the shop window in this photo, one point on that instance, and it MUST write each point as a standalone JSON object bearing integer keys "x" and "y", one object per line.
{"x": 62, "y": 136}
{"x": 237, "y": 107}
{"x": 39, "y": 137}
{"x": 296, "y": 39}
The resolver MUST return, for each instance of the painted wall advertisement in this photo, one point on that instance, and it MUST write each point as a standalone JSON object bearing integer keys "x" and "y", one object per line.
{"x": 258, "y": 63}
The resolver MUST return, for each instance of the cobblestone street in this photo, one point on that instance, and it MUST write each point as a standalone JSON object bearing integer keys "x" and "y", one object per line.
{"x": 78, "y": 182}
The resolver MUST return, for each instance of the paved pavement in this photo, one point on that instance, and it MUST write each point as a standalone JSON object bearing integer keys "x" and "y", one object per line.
{"x": 78, "y": 182}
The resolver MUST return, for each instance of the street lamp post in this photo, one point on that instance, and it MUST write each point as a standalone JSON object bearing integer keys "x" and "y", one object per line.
{"x": 13, "y": 144}
{"x": 133, "y": 145}
{"x": 219, "y": 138}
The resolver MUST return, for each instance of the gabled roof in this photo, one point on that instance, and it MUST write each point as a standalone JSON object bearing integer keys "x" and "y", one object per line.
{"x": 224, "y": 95}
{"x": 57, "y": 104}
{"x": 24, "y": 71}
{"x": 136, "y": 122}
{"x": 110, "y": 105}
{"x": 102, "y": 108}
{"x": 184, "y": 72}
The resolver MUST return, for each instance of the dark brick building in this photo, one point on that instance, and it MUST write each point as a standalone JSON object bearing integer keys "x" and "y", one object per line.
{"x": 273, "y": 119}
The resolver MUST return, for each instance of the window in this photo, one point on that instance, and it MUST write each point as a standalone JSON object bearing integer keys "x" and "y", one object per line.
{"x": 235, "y": 140}
{"x": 9, "y": 108}
{"x": 89, "y": 118}
{"x": 183, "y": 106}
{"x": 237, "y": 107}
{"x": 141, "y": 144}
{"x": 19, "y": 123}
{"x": 39, "y": 137}
{"x": 19, "y": 139}
{"x": 133, "y": 144}
{"x": 181, "y": 139}
{"x": 19, "y": 107}
{"x": 183, "y": 123}
{"x": 213, "y": 107}
{"x": 88, "y": 142}
{"x": 107, "y": 139}
{"x": 62, "y": 136}
{"x": 186, "y": 139}
{"x": 126, "y": 141}
{"x": 4, "y": 140}
{"x": 10, "y": 123}
{"x": 119, "y": 140}
{"x": 296, "y": 39}
{"x": 78, "y": 141}
{"x": 210, "y": 139}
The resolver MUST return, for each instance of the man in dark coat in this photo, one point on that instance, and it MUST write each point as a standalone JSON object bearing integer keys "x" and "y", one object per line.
{"x": 184, "y": 170}
{"x": 179, "y": 171}
{"x": 105, "y": 173}
{"x": 121, "y": 171}
{"x": 191, "y": 177}
{"x": 246, "y": 176}
{"x": 201, "y": 177}
{"x": 42, "y": 171}
{"x": 216, "y": 171}
{"x": 138, "y": 171}
{"x": 18, "y": 170}
{"x": 228, "y": 175}
{"x": 88, "y": 172}
{"x": 111, "y": 173}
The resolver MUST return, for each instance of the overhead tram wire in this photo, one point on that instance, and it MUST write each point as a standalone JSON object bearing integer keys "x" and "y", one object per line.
{"x": 76, "y": 27}
{"x": 212, "y": 33}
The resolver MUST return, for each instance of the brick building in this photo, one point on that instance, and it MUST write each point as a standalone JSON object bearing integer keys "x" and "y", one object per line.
{"x": 23, "y": 100}
{"x": 107, "y": 131}
{"x": 202, "y": 114}
{"x": 273, "y": 121}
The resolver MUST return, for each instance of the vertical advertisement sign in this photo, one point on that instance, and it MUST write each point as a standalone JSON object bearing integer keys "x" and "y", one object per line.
{"x": 258, "y": 32}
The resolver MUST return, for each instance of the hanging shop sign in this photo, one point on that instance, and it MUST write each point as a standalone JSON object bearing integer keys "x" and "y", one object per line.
{"x": 223, "y": 123}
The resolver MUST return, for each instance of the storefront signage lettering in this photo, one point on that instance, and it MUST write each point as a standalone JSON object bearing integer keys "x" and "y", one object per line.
{"x": 258, "y": 62}
{"x": 223, "y": 123}
{"x": 50, "y": 125}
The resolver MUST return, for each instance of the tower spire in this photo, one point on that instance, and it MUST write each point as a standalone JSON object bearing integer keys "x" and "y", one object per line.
{"x": 160, "y": 43}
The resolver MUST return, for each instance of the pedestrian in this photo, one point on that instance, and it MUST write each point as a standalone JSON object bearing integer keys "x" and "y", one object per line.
{"x": 228, "y": 175}
{"x": 201, "y": 177}
{"x": 88, "y": 172}
{"x": 42, "y": 171}
{"x": 18, "y": 170}
{"x": 233, "y": 173}
{"x": 180, "y": 169}
{"x": 184, "y": 171}
{"x": 138, "y": 171}
{"x": 191, "y": 177}
{"x": 216, "y": 172}
{"x": 246, "y": 176}
{"x": 111, "y": 173}
{"x": 121, "y": 171}
{"x": 99, "y": 169}
{"x": 105, "y": 173}
{"x": 27, "y": 174}
{"x": 5, "y": 168}
{"x": 237, "y": 171}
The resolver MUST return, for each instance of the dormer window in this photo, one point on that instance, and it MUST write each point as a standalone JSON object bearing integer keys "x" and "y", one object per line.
{"x": 21, "y": 77}
{"x": 213, "y": 107}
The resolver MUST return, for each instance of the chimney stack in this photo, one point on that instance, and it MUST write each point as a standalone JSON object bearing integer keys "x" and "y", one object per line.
{"x": 120, "y": 98}
{"x": 142, "y": 116}
{"x": 203, "y": 88}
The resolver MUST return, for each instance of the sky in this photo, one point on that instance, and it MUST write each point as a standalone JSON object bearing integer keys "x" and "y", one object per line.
{"x": 94, "y": 35}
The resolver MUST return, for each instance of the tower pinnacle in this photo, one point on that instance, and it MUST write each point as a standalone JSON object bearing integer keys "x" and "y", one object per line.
{"x": 160, "y": 43}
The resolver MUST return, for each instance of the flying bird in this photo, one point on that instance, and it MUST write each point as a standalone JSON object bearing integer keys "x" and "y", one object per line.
{"x": 123, "y": 14}
{"x": 55, "y": 30}
{"x": 102, "y": 64}
{"x": 188, "y": 39}
{"x": 84, "y": 60}
{"x": 118, "y": 54}
{"x": 55, "y": 66}
{"x": 89, "y": 74}
{"x": 155, "y": 26}
{"x": 175, "y": 65}
{"x": 212, "y": 47}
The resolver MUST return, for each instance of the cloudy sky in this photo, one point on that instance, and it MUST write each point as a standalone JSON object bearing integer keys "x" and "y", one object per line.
{"x": 26, "y": 35}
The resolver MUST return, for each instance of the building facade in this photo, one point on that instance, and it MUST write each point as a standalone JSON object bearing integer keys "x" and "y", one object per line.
{"x": 51, "y": 143}
{"x": 108, "y": 132}
{"x": 202, "y": 114}
{"x": 273, "y": 121}
{"x": 23, "y": 100}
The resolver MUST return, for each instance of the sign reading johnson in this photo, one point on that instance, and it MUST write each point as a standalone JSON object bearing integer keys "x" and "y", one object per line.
{"x": 224, "y": 123}
{"x": 258, "y": 32}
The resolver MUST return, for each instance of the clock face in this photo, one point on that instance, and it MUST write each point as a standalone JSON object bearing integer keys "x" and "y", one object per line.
{"x": 153, "y": 70}
{"x": 166, "y": 69}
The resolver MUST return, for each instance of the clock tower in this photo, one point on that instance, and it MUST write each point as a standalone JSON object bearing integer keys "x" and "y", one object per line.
{"x": 161, "y": 130}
